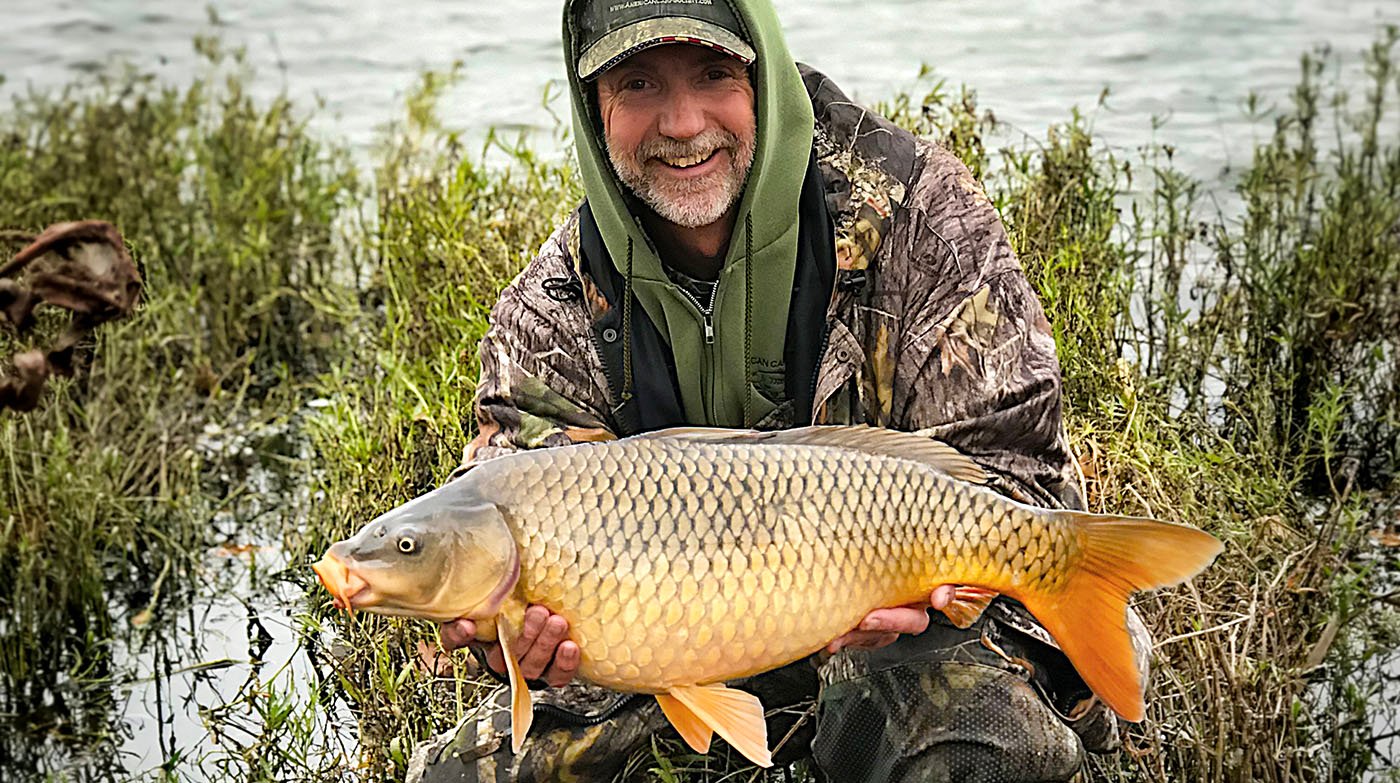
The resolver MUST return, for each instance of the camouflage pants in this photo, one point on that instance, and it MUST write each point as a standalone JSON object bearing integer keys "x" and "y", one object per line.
{"x": 983, "y": 704}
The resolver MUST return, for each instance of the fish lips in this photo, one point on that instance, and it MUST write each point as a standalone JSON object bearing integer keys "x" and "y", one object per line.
{"x": 344, "y": 584}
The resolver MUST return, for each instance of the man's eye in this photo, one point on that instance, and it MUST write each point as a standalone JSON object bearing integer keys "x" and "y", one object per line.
{"x": 635, "y": 84}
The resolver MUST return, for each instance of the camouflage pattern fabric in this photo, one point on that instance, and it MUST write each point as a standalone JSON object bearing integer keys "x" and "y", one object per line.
{"x": 952, "y": 706}
{"x": 932, "y": 328}
{"x": 478, "y": 750}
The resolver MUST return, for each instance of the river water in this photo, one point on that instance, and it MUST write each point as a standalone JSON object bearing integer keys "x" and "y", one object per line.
{"x": 1191, "y": 62}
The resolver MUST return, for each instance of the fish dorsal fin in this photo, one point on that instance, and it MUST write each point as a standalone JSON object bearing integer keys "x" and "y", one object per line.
{"x": 968, "y": 604}
{"x": 869, "y": 440}
{"x": 733, "y": 714}
{"x": 695, "y": 732}
{"x": 521, "y": 713}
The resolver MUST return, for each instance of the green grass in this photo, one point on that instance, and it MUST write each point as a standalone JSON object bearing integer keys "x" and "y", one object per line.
{"x": 233, "y": 213}
{"x": 1238, "y": 372}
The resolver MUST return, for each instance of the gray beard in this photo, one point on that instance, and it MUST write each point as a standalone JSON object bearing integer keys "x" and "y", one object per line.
{"x": 689, "y": 204}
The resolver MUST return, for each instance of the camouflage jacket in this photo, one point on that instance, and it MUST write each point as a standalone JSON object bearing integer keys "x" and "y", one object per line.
{"x": 932, "y": 325}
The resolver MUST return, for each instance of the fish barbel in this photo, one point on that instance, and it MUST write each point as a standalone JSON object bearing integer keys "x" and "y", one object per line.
{"x": 686, "y": 558}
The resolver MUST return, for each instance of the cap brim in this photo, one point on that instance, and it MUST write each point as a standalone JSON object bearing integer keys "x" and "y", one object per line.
{"x": 627, "y": 41}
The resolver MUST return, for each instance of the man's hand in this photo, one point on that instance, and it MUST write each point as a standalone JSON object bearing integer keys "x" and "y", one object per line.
{"x": 883, "y": 626}
{"x": 543, "y": 646}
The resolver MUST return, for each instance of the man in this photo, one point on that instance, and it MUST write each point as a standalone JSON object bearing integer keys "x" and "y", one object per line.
{"x": 757, "y": 251}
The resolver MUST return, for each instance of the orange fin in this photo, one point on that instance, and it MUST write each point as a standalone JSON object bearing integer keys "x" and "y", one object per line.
{"x": 968, "y": 604}
{"x": 733, "y": 714}
{"x": 521, "y": 712}
{"x": 695, "y": 732}
{"x": 1088, "y": 616}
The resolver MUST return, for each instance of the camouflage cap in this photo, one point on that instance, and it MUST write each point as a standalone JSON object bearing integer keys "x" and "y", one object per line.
{"x": 610, "y": 31}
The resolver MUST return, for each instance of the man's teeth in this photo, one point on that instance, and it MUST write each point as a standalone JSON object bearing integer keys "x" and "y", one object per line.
{"x": 685, "y": 163}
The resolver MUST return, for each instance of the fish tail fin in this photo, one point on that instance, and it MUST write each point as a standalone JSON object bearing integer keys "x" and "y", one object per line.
{"x": 1088, "y": 616}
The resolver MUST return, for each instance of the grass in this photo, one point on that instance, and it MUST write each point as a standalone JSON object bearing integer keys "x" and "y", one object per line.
{"x": 1236, "y": 371}
{"x": 232, "y": 212}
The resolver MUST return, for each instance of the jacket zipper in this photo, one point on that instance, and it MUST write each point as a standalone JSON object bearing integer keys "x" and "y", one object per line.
{"x": 707, "y": 315}
{"x": 598, "y": 348}
{"x": 817, "y": 371}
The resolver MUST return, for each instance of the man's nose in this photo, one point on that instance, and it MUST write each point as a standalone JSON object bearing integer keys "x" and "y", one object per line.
{"x": 682, "y": 118}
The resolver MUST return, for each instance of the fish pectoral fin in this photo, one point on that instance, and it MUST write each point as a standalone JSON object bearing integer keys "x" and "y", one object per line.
{"x": 695, "y": 732}
{"x": 968, "y": 604}
{"x": 733, "y": 714}
{"x": 521, "y": 711}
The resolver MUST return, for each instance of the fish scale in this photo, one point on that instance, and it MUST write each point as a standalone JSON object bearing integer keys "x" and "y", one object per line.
{"x": 839, "y": 533}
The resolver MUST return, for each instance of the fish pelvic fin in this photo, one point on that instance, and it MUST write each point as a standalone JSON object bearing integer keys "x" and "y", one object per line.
{"x": 733, "y": 714}
{"x": 521, "y": 711}
{"x": 1088, "y": 616}
{"x": 696, "y": 733}
{"x": 968, "y": 604}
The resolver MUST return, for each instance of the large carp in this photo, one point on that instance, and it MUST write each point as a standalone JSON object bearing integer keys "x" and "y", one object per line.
{"x": 689, "y": 557}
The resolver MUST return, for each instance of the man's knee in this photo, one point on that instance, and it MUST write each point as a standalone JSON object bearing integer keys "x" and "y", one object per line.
{"x": 559, "y": 748}
{"x": 942, "y": 721}
{"x": 478, "y": 750}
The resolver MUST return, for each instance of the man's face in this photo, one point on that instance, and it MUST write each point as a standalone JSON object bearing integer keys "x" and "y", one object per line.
{"x": 680, "y": 129}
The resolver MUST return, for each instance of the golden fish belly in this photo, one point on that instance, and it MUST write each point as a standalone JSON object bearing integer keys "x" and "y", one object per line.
{"x": 685, "y": 564}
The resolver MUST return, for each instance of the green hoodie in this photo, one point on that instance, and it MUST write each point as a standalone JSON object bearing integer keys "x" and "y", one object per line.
{"x": 715, "y": 376}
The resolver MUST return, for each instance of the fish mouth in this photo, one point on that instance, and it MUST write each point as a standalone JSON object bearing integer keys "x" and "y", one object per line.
{"x": 342, "y": 583}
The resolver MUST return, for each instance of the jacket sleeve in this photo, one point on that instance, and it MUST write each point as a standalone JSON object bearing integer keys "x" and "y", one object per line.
{"x": 983, "y": 375}
{"x": 540, "y": 384}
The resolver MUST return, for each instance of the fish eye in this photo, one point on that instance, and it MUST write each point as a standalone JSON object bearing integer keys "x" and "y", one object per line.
{"x": 407, "y": 545}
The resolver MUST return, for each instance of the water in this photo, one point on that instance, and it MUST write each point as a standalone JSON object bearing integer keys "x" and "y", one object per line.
{"x": 1191, "y": 61}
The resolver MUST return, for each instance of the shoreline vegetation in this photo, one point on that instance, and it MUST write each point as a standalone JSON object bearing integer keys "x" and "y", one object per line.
{"x": 304, "y": 359}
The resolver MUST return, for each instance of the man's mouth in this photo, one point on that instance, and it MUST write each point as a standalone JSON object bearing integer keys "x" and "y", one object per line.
{"x": 689, "y": 161}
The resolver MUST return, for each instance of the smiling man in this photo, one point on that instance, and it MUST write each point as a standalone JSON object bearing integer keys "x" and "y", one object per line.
{"x": 680, "y": 131}
{"x": 755, "y": 250}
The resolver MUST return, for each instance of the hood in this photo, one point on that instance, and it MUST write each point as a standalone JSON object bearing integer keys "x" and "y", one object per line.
{"x": 716, "y": 379}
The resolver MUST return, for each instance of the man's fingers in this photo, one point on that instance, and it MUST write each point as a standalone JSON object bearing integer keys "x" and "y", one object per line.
{"x": 457, "y": 634}
{"x": 865, "y": 640}
{"x": 537, "y": 657}
{"x": 941, "y": 596}
{"x": 530, "y": 627}
{"x": 566, "y": 662}
{"x": 901, "y": 619}
{"x": 883, "y": 626}
{"x": 495, "y": 659}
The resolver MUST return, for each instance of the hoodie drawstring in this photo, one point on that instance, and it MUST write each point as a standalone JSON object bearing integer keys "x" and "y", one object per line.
{"x": 627, "y": 329}
{"x": 748, "y": 320}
